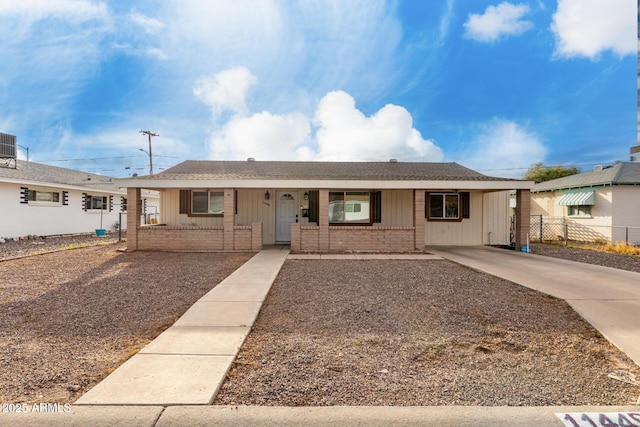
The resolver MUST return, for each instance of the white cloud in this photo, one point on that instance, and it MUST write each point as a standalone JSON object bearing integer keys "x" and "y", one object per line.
{"x": 497, "y": 22}
{"x": 503, "y": 148}
{"x": 264, "y": 136}
{"x": 346, "y": 134}
{"x": 226, "y": 90}
{"x": 343, "y": 132}
{"x": 588, "y": 27}
{"x": 150, "y": 25}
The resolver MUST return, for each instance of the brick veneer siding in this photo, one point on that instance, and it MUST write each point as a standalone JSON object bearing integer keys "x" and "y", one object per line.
{"x": 134, "y": 209}
{"x": 419, "y": 219}
{"x": 353, "y": 239}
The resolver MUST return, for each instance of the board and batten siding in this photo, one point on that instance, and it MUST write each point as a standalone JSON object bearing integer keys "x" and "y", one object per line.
{"x": 253, "y": 208}
{"x": 397, "y": 208}
{"x": 489, "y": 213}
{"x": 170, "y": 211}
{"x": 496, "y": 218}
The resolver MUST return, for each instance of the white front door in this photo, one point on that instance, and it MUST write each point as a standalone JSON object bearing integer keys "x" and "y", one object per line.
{"x": 286, "y": 213}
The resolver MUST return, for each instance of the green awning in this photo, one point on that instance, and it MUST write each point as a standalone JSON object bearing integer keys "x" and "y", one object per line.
{"x": 578, "y": 198}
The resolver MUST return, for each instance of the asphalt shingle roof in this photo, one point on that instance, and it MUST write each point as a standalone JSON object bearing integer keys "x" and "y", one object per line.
{"x": 40, "y": 173}
{"x": 274, "y": 170}
{"x": 618, "y": 174}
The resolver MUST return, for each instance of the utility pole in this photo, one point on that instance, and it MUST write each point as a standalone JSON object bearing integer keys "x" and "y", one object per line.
{"x": 150, "y": 134}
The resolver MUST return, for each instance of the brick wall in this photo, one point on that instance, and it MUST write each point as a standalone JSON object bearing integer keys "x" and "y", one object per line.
{"x": 176, "y": 238}
{"x": 353, "y": 239}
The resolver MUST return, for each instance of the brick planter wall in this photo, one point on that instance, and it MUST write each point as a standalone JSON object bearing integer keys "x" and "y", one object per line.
{"x": 353, "y": 239}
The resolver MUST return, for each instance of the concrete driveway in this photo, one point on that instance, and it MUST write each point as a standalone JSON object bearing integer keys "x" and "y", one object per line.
{"x": 607, "y": 298}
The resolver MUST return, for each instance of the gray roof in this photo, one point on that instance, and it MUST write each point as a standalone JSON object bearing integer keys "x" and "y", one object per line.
{"x": 31, "y": 172}
{"x": 623, "y": 173}
{"x": 274, "y": 170}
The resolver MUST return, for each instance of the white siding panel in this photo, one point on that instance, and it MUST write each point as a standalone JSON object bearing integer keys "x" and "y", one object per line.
{"x": 44, "y": 219}
{"x": 170, "y": 208}
{"x": 465, "y": 232}
{"x": 496, "y": 218}
{"x": 397, "y": 208}
{"x": 626, "y": 213}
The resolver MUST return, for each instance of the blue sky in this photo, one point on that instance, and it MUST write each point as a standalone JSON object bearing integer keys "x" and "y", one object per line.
{"x": 493, "y": 85}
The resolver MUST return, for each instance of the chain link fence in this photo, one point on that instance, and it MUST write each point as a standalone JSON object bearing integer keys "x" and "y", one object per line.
{"x": 546, "y": 228}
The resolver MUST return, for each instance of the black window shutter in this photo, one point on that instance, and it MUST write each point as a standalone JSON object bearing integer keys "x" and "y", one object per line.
{"x": 144, "y": 206}
{"x": 314, "y": 205}
{"x": 24, "y": 195}
{"x": 110, "y": 203}
{"x": 123, "y": 204}
{"x": 235, "y": 201}
{"x": 65, "y": 198}
{"x": 465, "y": 202}
{"x": 426, "y": 205}
{"x": 376, "y": 206}
{"x": 185, "y": 196}
{"x": 86, "y": 201}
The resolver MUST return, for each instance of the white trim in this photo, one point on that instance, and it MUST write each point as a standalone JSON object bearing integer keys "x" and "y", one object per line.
{"x": 333, "y": 184}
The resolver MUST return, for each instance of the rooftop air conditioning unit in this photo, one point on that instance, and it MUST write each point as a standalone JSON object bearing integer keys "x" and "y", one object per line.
{"x": 7, "y": 146}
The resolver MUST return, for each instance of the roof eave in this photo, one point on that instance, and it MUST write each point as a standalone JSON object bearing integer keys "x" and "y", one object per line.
{"x": 334, "y": 183}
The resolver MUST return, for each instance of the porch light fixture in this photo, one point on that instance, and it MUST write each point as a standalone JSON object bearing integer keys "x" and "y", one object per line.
{"x": 267, "y": 196}
{"x": 306, "y": 195}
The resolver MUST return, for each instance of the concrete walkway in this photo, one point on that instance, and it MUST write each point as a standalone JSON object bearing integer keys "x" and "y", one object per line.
{"x": 607, "y": 298}
{"x": 187, "y": 363}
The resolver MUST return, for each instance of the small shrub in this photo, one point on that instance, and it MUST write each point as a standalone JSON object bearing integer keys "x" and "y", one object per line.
{"x": 622, "y": 248}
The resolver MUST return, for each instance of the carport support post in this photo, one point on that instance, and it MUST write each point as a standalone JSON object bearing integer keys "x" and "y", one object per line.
{"x": 323, "y": 220}
{"x": 134, "y": 209}
{"x": 523, "y": 218}
{"x": 418, "y": 219}
{"x": 229, "y": 219}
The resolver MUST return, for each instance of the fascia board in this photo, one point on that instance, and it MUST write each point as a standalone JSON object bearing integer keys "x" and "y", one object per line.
{"x": 332, "y": 184}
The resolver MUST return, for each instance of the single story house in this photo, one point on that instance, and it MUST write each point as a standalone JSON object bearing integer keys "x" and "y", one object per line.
{"x": 600, "y": 204}
{"x": 325, "y": 206}
{"x": 45, "y": 200}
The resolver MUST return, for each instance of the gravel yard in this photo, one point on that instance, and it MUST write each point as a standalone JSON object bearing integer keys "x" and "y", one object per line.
{"x": 419, "y": 333}
{"x": 588, "y": 256}
{"x": 331, "y": 332}
{"x": 69, "y": 318}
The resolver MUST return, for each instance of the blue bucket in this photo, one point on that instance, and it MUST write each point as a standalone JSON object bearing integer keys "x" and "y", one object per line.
{"x": 100, "y": 231}
{"x": 526, "y": 249}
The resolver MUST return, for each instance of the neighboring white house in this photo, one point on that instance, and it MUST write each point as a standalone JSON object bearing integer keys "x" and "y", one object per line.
{"x": 599, "y": 204}
{"x": 42, "y": 200}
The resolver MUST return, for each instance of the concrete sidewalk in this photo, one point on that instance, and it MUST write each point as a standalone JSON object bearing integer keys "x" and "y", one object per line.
{"x": 441, "y": 416}
{"x": 607, "y": 298}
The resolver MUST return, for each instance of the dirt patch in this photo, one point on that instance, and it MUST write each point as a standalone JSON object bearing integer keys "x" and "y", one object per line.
{"x": 419, "y": 333}
{"x": 69, "y": 318}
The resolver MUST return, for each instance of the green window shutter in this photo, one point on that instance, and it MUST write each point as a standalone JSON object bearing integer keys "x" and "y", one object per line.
{"x": 376, "y": 206}
{"x": 185, "y": 201}
{"x": 314, "y": 205}
{"x": 465, "y": 202}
